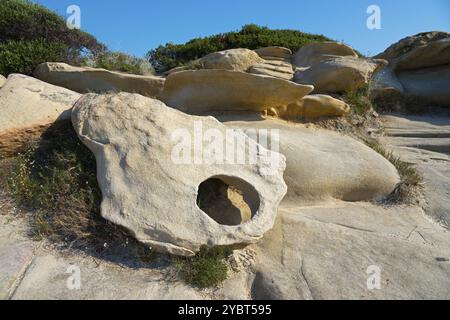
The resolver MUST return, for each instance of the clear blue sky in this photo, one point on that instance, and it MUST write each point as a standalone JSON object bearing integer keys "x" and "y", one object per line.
{"x": 136, "y": 26}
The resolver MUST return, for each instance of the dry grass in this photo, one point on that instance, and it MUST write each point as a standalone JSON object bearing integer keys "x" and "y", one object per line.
{"x": 406, "y": 190}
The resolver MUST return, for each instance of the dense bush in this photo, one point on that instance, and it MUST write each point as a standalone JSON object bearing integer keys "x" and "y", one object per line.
{"x": 31, "y": 34}
{"x": 250, "y": 36}
{"x": 23, "y": 56}
{"x": 119, "y": 61}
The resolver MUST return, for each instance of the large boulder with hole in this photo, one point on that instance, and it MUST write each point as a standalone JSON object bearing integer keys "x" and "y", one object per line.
{"x": 201, "y": 91}
{"x": 27, "y": 108}
{"x": 85, "y": 79}
{"x": 153, "y": 163}
{"x": 323, "y": 165}
{"x": 315, "y": 106}
{"x": 233, "y": 59}
{"x": 2, "y": 80}
{"x": 332, "y": 68}
{"x": 419, "y": 68}
{"x": 274, "y": 53}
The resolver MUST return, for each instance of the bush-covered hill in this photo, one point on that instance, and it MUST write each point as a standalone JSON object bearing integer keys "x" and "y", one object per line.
{"x": 31, "y": 34}
{"x": 250, "y": 36}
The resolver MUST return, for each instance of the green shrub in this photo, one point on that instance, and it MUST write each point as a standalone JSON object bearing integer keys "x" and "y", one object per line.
{"x": 118, "y": 61}
{"x": 250, "y": 36}
{"x": 24, "y": 56}
{"x": 24, "y": 24}
{"x": 359, "y": 101}
{"x": 207, "y": 269}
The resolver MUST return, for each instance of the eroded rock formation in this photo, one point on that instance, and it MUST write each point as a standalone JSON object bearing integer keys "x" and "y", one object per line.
{"x": 85, "y": 80}
{"x": 153, "y": 193}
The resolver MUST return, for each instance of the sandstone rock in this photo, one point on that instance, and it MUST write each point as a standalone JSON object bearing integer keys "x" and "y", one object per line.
{"x": 2, "y": 81}
{"x": 324, "y": 165}
{"x": 329, "y": 252}
{"x": 313, "y": 53}
{"x": 84, "y": 80}
{"x": 276, "y": 52}
{"x": 27, "y": 108}
{"x": 277, "y": 69}
{"x": 233, "y": 59}
{"x": 424, "y": 141}
{"x": 433, "y": 54}
{"x": 409, "y": 43}
{"x": 202, "y": 91}
{"x": 334, "y": 74}
{"x": 316, "y": 106}
{"x": 418, "y": 67}
{"x": 151, "y": 188}
{"x": 176, "y": 69}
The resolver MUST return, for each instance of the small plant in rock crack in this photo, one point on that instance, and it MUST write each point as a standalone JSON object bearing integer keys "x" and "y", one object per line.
{"x": 207, "y": 269}
{"x": 410, "y": 178}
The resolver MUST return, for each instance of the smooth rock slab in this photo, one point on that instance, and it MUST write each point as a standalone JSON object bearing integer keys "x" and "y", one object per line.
{"x": 200, "y": 91}
{"x": 135, "y": 141}
{"x": 28, "y": 107}
{"x": 323, "y": 165}
{"x": 85, "y": 80}
{"x": 2, "y": 81}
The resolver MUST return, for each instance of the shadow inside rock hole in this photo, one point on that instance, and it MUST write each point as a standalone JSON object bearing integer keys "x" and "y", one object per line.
{"x": 227, "y": 200}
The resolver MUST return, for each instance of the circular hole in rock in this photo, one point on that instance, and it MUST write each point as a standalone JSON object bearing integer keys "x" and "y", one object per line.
{"x": 229, "y": 201}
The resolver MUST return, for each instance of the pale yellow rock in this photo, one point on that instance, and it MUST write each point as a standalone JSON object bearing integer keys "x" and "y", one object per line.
{"x": 277, "y": 52}
{"x": 149, "y": 188}
{"x": 335, "y": 74}
{"x": 200, "y": 91}
{"x": 27, "y": 108}
{"x": 233, "y": 59}
{"x": 2, "y": 81}
{"x": 315, "y": 52}
{"x": 84, "y": 80}
{"x": 316, "y": 106}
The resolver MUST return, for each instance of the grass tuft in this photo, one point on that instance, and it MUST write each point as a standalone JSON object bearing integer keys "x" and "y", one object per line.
{"x": 410, "y": 178}
{"x": 207, "y": 269}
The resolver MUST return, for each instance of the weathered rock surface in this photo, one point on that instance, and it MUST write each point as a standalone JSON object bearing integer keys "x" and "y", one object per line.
{"x": 332, "y": 251}
{"x": 200, "y": 91}
{"x": 315, "y": 106}
{"x": 313, "y": 53}
{"x": 27, "y": 108}
{"x": 324, "y": 165}
{"x": 85, "y": 80}
{"x": 2, "y": 81}
{"x": 336, "y": 74}
{"x": 277, "y": 69}
{"x": 274, "y": 52}
{"x": 419, "y": 67}
{"x": 136, "y": 141}
{"x": 424, "y": 140}
{"x": 233, "y": 59}
{"x": 409, "y": 43}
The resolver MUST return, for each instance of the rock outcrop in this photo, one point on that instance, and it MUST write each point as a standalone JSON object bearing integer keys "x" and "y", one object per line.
{"x": 85, "y": 80}
{"x": 332, "y": 68}
{"x": 151, "y": 186}
{"x": 315, "y": 106}
{"x": 27, "y": 108}
{"x": 324, "y": 165}
{"x": 277, "y": 69}
{"x": 200, "y": 91}
{"x": 419, "y": 67}
{"x": 2, "y": 80}
{"x": 274, "y": 53}
{"x": 233, "y": 59}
